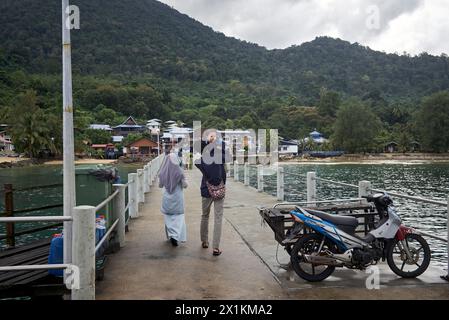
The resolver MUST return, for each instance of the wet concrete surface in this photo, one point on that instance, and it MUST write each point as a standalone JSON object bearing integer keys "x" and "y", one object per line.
{"x": 150, "y": 268}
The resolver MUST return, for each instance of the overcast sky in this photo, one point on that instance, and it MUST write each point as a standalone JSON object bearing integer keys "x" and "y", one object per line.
{"x": 385, "y": 25}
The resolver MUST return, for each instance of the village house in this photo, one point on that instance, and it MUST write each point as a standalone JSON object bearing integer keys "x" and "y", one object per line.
{"x": 127, "y": 127}
{"x": 288, "y": 148}
{"x": 141, "y": 147}
{"x": 109, "y": 150}
{"x": 6, "y": 144}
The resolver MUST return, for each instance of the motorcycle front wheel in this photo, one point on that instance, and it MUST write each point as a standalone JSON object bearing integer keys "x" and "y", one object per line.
{"x": 416, "y": 264}
{"x": 310, "y": 244}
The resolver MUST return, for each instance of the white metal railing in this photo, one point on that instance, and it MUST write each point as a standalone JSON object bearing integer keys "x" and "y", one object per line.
{"x": 364, "y": 188}
{"x": 80, "y": 274}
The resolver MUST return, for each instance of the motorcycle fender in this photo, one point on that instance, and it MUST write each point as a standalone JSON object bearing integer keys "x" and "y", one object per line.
{"x": 402, "y": 232}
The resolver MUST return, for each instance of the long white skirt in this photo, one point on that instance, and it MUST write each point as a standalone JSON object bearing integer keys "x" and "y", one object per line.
{"x": 175, "y": 227}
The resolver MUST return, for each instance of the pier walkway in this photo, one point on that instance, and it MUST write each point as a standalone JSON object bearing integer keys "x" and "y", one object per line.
{"x": 148, "y": 267}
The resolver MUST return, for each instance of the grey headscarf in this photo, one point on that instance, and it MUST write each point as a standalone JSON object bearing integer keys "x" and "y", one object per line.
{"x": 171, "y": 174}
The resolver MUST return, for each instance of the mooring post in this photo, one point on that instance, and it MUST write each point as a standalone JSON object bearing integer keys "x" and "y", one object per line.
{"x": 9, "y": 212}
{"x": 246, "y": 174}
{"x": 140, "y": 191}
{"x": 311, "y": 187}
{"x": 364, "y": 188}
{"x": 260, "y": 178}
{"x": 280, "y": 183}
{"x": 83, "y": 251}
{"x": 132, "y": 190}
{"x": 236, "y": 171}
{"x": 119, "y": 213}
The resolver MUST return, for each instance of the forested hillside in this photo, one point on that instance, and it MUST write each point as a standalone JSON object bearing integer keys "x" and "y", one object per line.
{"x": 143, "y": 58}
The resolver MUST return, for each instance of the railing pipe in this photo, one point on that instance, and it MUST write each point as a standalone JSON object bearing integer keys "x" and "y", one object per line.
{"x": 36, "y": 219}
{"x": 34, "y": 267}
{"x": 106, "y": 201}
{"x": 246, "y": 174}
{"x": 106, "y": 235}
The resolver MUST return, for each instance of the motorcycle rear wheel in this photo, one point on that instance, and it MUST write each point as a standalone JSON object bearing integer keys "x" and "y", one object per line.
{"x": 420, "y": 260}
{"x": 309, "y": 244}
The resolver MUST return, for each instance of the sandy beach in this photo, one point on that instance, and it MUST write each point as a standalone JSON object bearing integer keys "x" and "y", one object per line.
{"x": 83, "y": 161}
{"x": 10, "y": 159}
{"x": 393, "y": 158}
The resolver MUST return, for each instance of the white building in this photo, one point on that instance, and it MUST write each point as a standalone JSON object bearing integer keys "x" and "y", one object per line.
{"x": 288, "y": 147}
{"x": 6, "y": 142}
{"x": 316, "y": 137}
{"x": 104, "y": 127}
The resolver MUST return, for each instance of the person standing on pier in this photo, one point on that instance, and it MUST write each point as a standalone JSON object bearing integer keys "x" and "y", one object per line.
{"x": 172, "y": 179}
{"x": 212, "y": 188}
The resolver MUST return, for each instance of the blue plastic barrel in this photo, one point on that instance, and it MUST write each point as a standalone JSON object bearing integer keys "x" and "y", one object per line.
{"x": 56, "y": 255}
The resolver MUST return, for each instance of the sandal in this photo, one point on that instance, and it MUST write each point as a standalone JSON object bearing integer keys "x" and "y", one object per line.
{"x": 205, "y": 245}
{"x": 217, "y": 252}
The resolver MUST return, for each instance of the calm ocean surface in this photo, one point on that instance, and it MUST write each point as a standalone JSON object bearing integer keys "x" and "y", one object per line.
{"x": 425, "y": 180}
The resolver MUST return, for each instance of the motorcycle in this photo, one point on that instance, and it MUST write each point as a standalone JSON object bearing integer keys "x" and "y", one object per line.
{"x": 327, "y": 241}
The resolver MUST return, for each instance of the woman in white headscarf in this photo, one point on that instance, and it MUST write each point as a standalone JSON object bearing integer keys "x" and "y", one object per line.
{"x": 171, "y": 178}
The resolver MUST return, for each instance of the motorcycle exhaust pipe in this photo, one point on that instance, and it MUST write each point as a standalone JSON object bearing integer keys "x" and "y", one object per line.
{"x": 320, "y": 260}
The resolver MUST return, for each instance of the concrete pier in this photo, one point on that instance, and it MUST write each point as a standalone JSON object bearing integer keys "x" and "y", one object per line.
{"x": 150, "y": 268}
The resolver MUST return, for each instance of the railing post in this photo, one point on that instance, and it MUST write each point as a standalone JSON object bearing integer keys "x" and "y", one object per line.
{"x": 119, "y": 213}
{"x": 140, "y": 190}
{"x": 260, "y": 178}
{"x": 280, "y": 183}
{"x": 246, "y": 174}
{"x": 228, "y": 170}
{"x": 146, "y": 180}
{"x": 83, "y": 251}
{"x": 311, "y": 187}
{"x": 132, "y": 195}
{"x": 364, "y": 188}
{"x": 236, "y": 171}
{"x": 9, "y": 212}
{"x": 150, "y": 173}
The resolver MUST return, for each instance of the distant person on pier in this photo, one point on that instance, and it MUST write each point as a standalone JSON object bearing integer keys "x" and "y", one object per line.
{"x": 172, "y": 179}
{"x": 213, "y": 187}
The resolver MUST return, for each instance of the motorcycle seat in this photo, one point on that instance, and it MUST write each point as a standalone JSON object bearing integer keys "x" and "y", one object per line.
{"x": 347, "y": 224}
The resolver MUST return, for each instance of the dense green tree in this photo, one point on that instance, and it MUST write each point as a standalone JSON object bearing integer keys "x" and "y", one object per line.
{"x": 329, "y": 103}
{"x": 98, "y": 136}
{"x": 356, "y": 127}
{"x": 433, "y": 122}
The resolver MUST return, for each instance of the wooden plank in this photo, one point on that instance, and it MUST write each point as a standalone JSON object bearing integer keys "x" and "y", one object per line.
{"x": 24, "y": 257}
{"x": 28, "y": 247}
{"x": 8, "y": 275}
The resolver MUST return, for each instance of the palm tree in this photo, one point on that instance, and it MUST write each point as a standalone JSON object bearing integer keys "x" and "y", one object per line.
{"x": 29, "y": 129}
